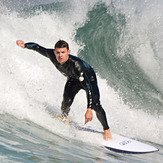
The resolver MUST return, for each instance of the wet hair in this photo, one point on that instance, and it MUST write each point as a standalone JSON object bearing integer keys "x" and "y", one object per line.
{"x": 61, "y": 44}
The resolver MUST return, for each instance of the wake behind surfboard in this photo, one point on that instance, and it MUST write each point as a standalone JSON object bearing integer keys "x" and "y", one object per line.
{"x": 118, "y": 143}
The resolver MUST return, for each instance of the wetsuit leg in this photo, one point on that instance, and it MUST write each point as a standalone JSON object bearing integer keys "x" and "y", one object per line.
{"x": 100, "y": 113}
{"x": 71, "y": 89}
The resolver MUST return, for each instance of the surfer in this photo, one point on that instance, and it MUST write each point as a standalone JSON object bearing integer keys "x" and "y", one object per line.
{"x": 80, "y": 75}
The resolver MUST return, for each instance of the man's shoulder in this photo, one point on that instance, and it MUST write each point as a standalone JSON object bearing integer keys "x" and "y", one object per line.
{"x": 75, "y": 58}
{"x": 50, "y": 52}
{"x": 79, "y": 62}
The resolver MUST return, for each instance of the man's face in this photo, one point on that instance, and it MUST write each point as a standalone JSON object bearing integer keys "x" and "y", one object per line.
{"x": 62, "y": 54}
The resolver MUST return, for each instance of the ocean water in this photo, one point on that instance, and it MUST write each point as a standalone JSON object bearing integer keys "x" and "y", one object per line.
{"x": 122, "y": 40}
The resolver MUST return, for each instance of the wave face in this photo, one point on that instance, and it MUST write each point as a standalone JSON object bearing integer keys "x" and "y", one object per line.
{"x": 122, "y": 40}
{"x": 123, "y": 49}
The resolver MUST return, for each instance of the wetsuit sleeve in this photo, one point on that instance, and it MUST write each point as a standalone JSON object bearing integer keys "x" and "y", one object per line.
{"x": 36, "y": 47}
{"x": 89, "y": 90}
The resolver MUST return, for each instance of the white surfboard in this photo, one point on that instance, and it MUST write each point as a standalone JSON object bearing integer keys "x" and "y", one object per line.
{"x": 126, "y": 145}
{"x": 118, "y": 143}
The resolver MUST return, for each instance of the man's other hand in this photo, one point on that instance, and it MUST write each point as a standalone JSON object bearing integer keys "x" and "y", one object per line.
{"x": 88, "y": 115}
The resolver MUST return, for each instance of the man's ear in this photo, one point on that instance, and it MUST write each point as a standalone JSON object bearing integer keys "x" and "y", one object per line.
{"x": 69, "y": 51}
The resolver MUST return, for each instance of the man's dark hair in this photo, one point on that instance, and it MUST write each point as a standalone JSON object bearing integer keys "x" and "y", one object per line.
{"x": 61, "y": 44}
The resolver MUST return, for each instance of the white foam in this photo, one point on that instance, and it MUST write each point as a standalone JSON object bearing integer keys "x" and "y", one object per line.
{"x": 143, "y": 37}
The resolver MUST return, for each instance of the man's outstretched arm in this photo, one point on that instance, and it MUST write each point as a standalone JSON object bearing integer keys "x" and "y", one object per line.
{"x": 33, "y": 46}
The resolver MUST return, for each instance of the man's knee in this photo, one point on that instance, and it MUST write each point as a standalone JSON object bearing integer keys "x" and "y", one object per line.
{"x": 97, "y": 107}
{"x": 99, "y": 111}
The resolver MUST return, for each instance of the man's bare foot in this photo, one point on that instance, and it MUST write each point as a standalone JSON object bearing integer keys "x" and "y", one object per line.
{"x": 107, "y": 134}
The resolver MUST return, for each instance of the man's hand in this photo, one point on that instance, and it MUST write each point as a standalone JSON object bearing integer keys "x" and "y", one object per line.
{"x": 20, "y": 43}
{"x": 88, "y": 115}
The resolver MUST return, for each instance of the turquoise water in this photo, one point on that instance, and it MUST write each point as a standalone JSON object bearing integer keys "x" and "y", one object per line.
{"x": 122, "y": 40}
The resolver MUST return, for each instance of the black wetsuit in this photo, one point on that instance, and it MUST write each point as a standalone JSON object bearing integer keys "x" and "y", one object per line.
{"x": 80, "y": 75}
